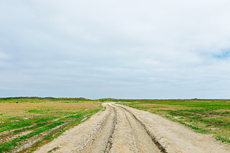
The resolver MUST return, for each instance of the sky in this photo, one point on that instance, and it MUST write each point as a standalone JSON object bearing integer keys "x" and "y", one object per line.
{"x": 150, "y": 49}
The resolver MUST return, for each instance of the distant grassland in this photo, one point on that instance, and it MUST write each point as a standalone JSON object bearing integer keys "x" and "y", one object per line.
{"x": 201, "y": 115}
{"x": 39, "y": 99}
{"x": 27, "y": 119}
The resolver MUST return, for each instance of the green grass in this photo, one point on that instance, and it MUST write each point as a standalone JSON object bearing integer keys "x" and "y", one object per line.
{"x": 39, "y": 115}
{"x": 7, "y": 146}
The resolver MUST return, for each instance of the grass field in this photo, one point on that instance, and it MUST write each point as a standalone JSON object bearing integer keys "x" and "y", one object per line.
{"x": 39, "y": 120}
{"x": 203, "y": 116}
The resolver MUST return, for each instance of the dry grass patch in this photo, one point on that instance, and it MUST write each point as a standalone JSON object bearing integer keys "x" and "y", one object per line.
{"x": 21, "y": 109}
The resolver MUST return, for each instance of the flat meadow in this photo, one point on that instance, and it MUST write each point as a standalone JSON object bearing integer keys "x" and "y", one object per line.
{"x": 29, "y": 122}
{"x": 201, "y": 115}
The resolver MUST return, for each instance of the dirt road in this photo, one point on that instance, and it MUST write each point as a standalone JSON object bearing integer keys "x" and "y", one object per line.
{"x": 120, "y": 129}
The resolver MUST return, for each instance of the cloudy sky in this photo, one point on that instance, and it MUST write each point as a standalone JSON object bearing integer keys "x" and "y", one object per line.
{"x": 118, "y": 48}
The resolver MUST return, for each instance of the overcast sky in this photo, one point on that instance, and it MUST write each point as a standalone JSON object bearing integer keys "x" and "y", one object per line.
{"x": 118, "y": 48}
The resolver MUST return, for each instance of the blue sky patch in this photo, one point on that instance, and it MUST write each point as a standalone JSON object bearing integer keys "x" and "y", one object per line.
{"x": 223, "y": 54}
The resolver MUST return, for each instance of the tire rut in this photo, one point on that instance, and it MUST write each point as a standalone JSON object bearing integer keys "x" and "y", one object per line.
{"x": 121, "y": 131}
{"x": 145, "y": 141}
{"x": 101, "y": 141}
{"x": 123, "y": 139}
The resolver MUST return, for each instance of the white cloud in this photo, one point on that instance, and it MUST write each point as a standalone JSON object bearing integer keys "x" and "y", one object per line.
{"x": 139, "y": 49}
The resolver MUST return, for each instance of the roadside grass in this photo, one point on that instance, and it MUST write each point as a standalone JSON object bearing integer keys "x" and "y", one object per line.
{"x": 40, "y": 117}
{"x": 203, "y": 116}
{"x": 50, "y": 137}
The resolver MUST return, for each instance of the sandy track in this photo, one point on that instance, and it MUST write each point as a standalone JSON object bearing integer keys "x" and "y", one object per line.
{"x": 127, "y": 130}
{"x": 130, "y": 135}
{"x": 101, "y": 140}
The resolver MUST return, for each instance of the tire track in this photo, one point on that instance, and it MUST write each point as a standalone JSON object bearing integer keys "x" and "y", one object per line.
{"x": 121, "y": 131}
{"x": 146, "y": 143}
{"x": 123, "y": 139}
{"x": 101, "y": 142}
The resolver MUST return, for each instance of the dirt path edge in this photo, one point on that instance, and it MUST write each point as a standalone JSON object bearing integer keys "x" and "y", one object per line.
{"x": 176, "y": 138}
